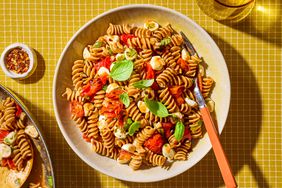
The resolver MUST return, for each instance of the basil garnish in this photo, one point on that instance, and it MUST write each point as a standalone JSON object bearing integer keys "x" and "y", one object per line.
{"x": 156, "y": 108}
{"x": 124, "y": 99}
{"x": 143, "y": 83}
{"x": 133, "y": 128}
{"x": 122, "y": 70}
{"x": 179, "y": 131}
{"x": 165, "y": 41}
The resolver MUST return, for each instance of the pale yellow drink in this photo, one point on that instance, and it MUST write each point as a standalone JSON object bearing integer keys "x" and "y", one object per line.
{"x": 223, "y": 10}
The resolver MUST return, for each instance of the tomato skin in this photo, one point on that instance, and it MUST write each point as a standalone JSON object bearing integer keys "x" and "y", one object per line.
{"x": 176, "y": 92}
{"x": 151, "y": 75}
{"x": 155, "y": 143}
{"x": 8, "y": 163}
{"x": 183, "y": 64}
{"x": 106, "y": 62}
{"x": 125, "y": 37}
{"x": 91, "y": 89}
{"x": 150, "y": 71}
{"x": 77, "y": 109}
{"x": 3, "y": 134}
{"x": 86, "y": 138}
{"x": 187, "y": 134}
{"x": 167, "y": 129}
{"x": 112, "y": 108}
{"x": 19, "y": 111}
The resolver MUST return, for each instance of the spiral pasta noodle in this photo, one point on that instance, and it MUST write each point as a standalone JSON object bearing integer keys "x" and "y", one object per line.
{"x": 132, "y": 95}
{"x": 182, "y": 151}
{"x": 120, "y": 142}
{"x": 167, "y": 99}
{"x": 118, "y": 29}
{"x": 142, "y": 136}
{"x": 98, "y": 147}
{"x": 22, "y": 150}
{"x": 134, "y": 112}
{"x": 136, "y": 162}
{"x": 166, "y": 77}
{"x": 155, "y": 159}
{"x": 108, "y": 138}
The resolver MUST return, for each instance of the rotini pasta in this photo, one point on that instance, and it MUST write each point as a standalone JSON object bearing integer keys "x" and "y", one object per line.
{"x": 13, "y": 136}
{"x": 120, "y": 88}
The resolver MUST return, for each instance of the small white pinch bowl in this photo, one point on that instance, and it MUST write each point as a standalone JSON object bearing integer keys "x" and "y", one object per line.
{"x": 32, "y": 66}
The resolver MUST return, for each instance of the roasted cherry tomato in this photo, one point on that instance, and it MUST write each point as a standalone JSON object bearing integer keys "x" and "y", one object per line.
{"x": 8, "y": 163}
{"x": 77, "y": 109}
{"x": 92, "y": 88}
{"x": 167, "y": 129}
{"x": 19, "y": 111}
{"x": 183, "y": 64}
{"x": 187, "y": 134}
{"x": 150, "y": 71}
{"x": 3, "y": 134}
{"x": 125, "y": 37}
{"x": 86, "y": 138}
{"x": 155, "y": 143}
{"x": 176, "y": 92}
{"x": 106, "y": 62}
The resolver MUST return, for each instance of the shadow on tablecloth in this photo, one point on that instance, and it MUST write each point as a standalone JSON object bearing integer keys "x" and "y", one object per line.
{"x": 239, "y": 136}
{"x": 264, "y": 22}
{"x": 67, "y": 174}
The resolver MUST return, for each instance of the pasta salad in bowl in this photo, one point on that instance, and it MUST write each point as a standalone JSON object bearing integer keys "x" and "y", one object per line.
{"x": 123, "y": 93}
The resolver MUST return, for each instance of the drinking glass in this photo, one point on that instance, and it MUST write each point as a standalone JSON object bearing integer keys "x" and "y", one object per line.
{"x": 227, "y": 10}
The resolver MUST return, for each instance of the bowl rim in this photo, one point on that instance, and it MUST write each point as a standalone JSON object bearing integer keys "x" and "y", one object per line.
{"x": 31, "y": 55}
{"x": 150, "y": 6}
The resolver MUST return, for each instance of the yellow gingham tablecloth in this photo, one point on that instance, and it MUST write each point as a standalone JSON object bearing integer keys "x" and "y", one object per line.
{"x": 252, "y": 49}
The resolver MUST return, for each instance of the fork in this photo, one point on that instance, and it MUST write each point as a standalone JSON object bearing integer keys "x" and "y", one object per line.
{"x": 221, "y": 158}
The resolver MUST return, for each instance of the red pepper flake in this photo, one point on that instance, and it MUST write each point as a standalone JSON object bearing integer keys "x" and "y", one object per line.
{"x": 17, "y": 61}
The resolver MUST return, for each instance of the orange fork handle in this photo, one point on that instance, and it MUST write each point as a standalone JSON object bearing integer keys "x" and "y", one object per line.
{"x": 222, "y": 161}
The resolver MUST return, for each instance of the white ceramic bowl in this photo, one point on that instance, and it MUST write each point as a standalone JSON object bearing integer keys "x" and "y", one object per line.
{"x": 97, "y": 27}
{"x": 32, "y": 56}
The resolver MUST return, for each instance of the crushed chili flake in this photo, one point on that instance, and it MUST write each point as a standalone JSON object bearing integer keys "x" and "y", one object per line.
{"x": 17, "y": 61}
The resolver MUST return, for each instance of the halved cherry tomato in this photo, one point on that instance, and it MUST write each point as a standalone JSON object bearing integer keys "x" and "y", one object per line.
{"x": 92, "y": 88}
{"x": 114, "y": 94}
{"x": 19, "y": 110}
{"x": 187, "y": 134}
{"x": 106, "y": 62}
{"x": 77, "y": 109}
{"x": 150, "y": 74}
{"x": 112, "y": 109}
{"x": 155, "y": 143}
{"x": 3, "y": 134}
{"x": 167, "y": 129}
{"x": 176, "y": 92}
{"x": 8, "y": 163}
{"x": 150, "y": 71}
{"x": 86, "y": 138}
{"x": 183, "y": 64}
{"x": 125, "y": 37}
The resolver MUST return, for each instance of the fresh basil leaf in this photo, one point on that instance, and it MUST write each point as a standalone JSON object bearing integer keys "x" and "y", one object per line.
{"x": 50, "y": 181}
{"x": 124, "y": 99}
{"x": 156, "y": 108}
{"x": 122, "y": 70}
{"x": 179, "y": 131}
{"x": 105, "y": 87}
{"x": 128, "y": 123}
{"x": 165, "y": 41}
{"x": 143, "y": 83}
{"x": 97, "y": 44}
{"x": 133, "y": 128}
